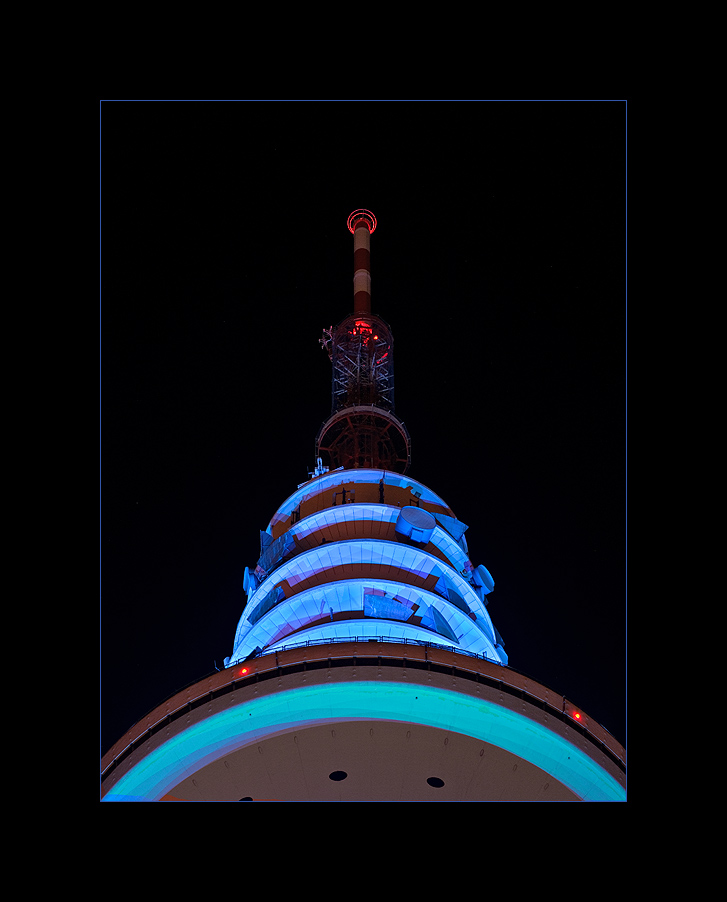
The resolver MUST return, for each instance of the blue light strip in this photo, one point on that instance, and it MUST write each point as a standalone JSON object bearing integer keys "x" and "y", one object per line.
{"x": 295, "y": 709}
{"x": 373, "y": 628}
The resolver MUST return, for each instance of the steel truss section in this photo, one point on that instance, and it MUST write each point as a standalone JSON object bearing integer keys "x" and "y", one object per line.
{"x": 362, "y": 358}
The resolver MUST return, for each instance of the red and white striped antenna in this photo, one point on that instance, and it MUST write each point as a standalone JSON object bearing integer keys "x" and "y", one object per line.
{"x": 361, "y": 224}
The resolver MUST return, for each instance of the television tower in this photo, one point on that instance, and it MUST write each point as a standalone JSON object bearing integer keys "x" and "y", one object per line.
{"x": 365, "y": 665}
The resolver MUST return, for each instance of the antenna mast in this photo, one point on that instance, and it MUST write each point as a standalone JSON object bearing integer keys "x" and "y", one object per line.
{"x": 362, "y": 430}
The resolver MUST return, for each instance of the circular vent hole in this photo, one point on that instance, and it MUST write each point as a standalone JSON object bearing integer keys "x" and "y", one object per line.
{"x": 338, "y": 775}
{"x": 436, "y": 782}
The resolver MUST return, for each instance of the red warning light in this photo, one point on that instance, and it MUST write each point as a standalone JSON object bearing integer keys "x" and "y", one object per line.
{"x": 573, "y": 713}
{"x": 243, "y": 671}
{"x": 361, "y": 215}
{"x": 362, "y": 329}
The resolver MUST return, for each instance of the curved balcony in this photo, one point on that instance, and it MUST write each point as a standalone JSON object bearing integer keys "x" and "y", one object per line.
{"x": 367, "y": 485}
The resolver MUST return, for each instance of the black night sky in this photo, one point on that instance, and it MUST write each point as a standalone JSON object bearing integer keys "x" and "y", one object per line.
{"x": 499, "y": 263}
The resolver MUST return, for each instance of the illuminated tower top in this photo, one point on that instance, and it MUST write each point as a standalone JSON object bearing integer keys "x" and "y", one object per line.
{"x": 363, "y": 430}
{"x": 365, "y": 663}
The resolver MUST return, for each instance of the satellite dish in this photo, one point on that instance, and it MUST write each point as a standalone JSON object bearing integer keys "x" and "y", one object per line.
{"x": 416, "y": 524}
{"x": 485, "y": 577}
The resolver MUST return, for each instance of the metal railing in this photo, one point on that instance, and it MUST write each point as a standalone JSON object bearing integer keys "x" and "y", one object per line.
{"x": 399, "y": 640}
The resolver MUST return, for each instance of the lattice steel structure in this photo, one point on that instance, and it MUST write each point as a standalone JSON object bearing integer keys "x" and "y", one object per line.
{"x": 362, "y": 355}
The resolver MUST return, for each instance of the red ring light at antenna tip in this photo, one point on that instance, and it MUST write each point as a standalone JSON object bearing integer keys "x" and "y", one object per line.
{"x": 357, "y": 216}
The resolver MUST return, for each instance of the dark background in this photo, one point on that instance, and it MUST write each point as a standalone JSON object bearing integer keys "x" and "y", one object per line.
{"x": 499, "y": 263}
